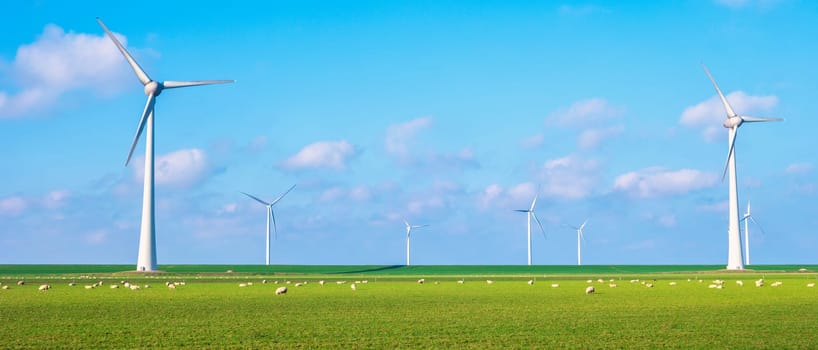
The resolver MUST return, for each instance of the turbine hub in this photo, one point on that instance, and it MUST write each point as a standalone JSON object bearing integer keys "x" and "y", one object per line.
{"x": 153, "y": 88}
{"x": 732, "y": 122}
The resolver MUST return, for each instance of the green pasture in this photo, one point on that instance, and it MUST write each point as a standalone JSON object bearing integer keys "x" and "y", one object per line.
{"x": 212, "y": 311}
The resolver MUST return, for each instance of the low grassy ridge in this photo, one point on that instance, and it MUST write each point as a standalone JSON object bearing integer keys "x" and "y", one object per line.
{"x": 393, "y": 311}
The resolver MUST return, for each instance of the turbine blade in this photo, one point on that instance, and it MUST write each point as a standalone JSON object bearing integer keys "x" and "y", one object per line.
{"x": 539, "y": 224}
{"x": 178, "y": 84}
{"x": 757, "y": 224}
{"x": 275, "y": 229}
{"x": 256, "y": 198}
{"x": 760, "y": 119}
{"x": 583, "y": 224}
{"x": 140, "y": 73}
{"x": 419, "y": 226}
{"x": 522, "y": 210}
{"x": 734, "y": 132}
{"x": 534, "y": 202}
{"x": 727, "y": 108}
{"x": 148, "y": 110}
{"x": 282, "y": 195}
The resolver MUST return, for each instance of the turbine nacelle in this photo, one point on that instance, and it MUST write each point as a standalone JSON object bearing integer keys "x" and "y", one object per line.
{"x": 153, "y": 88}
{"x": 733, "y": 122}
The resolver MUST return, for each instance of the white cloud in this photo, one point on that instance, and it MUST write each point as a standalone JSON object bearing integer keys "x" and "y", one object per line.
{"x": 591, "y": 138}
{"x": 569, "y": 177}
{"x": 12, "y": 206}
{"x": 55, "y": 199}
{"x": 656, "y": 181}
{"x": 183, "y": 168}
{"x": 489, "y": 195}
{"x": 399, "y": 135}
{"x": 58, "y": 62}
{"x": 585, "y": 112}
{"x": 710, "y": 114}
{"x": 798, "y": 168}
{"x": 322, "y": 154}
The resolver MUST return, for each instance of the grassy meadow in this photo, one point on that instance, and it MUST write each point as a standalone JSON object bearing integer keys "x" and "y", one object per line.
{"x": 393, "y": 311}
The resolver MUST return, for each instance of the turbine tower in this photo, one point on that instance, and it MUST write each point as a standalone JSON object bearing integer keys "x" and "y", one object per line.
{"x": 732, "y": 123}
{"x": 747, "y": 218}
{"x": 579, "y": 244}
{"x": 146, "y": 259}
{"x": 531, "y": 213}
{"x": 270, "y": 216}
{"x": 408, "y": 234}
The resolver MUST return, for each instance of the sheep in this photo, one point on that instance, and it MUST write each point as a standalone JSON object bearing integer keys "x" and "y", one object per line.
{"x": 167, "y": 283}
{"x": 364, "y": 281}
{"x": 263, "y": 281}
{"x": 590, "y": 290}
{"x": 802, "y": 270}
{"x": 635, "y": 281}
{"x": 600, "y": 281}
{"x": 461, "y": 281}
{"x": 555, "y": 285}
{"x": 437, "y": 282}
{"x": 126, "y": 285}
{"x": 612, "y": 285}
{"x": 321, "y": 282}
{"x": 21, "y": 282}
{"x": 114, "y": 286}
{"x": 672, "y": 283}
{"x": 44, "y": 288}
{"x": 242, "y": 285}
{"x": 760, "y": 283}
{"x": 281, "y": 290}
{"x": 590, "y": 281}
{"x": 182, "y": 283}
{"x": 422, "y": 281}
{"x": 776, "y": 284}
{"x": 342, "y": 282}
{"x": 740, "y": 283}
{"x": 71, "y": 284}
{"x": 249, "y": 283}
{"x": 530, "y": 282}
{"x": 358, "y": 281}
{"x": 92, "y": 286}
{"x": 299, "y": 284}
{"x": 287, "y": 282}
{"x": 489, "y": 282}
{"x": 352, "y": 286}
{"x": 134, "y": 287}
{"x": 712, "y": 286}
{"x": 147, "y": 286}
{"x": 649, "y": 285}
{"x": 5, "y": 287}
{"x": 172, "y": 286}
{"x": 810, "y": 285}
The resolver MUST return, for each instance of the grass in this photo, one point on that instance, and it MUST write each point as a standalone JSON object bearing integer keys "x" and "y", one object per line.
{"x": 396, "y": 312}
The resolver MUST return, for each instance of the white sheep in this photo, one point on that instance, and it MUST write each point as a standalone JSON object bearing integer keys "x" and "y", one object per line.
{"x": 71, "y": 284}
{"x": 422, "y": 281}
{"x": 352, "y": 286}
{"x": 600, "y": 281}
{"x": 299, "y": 284}
{"x": 810, "y": 285}
{"x": 489, "y": 282}
{"x": 91, "y": 286}
{"x": 44, "y": 287}
{"x": 342, "y": 282}
{"x": 555, "y": 285}
{"x": 134, "y": 287}
{"x": 712, "y": 286}
{"x": 5, "y": 287}
{"x": 249, "y": 283}
{"x": 612, "y": 285}
{"x": 364, "y": 281}
{"x": 740, "y": 283}
{"x": 147, "y": 286}
{"x": 672, "y": 283}
{"x": 172, "y": 286}
{"x": 461, "y": 281}
{"x": 281, "y": 290}
{"x": 530, "y": 282}
{"x": 635, "y": 281}
{"x": 242, "y": 285}
{"x": 590, "y": 281}
{"x": 321, "y": 282}
{"x": 126, "y": 285}
{"x": 649, "y": 285}
{"x": 114, "y": 286}
{"x": 21, "y": 282}
{"x": 590, "y": 290}
{"x": 776, "y": 284}
{"x": 263, "y": 281}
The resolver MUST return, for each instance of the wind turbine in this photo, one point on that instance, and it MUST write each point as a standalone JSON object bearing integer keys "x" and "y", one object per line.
{"x": 732, "y": 123}
{"x": 747, "y": 218}
{"x": 582, "y": 237}
{"x": 408, "y": 234}
{"x": 270, "y": 216}
{"x": 146, "y": 259}
{"x": 531, "y": 213}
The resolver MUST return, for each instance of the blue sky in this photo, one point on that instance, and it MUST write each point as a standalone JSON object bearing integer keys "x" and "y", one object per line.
{"x": 446, "y": 113}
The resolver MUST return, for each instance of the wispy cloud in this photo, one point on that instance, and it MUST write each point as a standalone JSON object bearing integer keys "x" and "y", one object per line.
{"x": 569, "y": 177}
{"x": 709, "y": 114}
{"x": 322, "y": 154}
{"x": 13, "y": 206}
{"x": 657, "y": 181}
{"x": 798, "y": 168}
{"x": 183, "y": 168}
{"x": 585, "y": 113}
{"x": 399, "y": 135}
{"x": 58, "y": 62}
{"x": 591, "y": 138}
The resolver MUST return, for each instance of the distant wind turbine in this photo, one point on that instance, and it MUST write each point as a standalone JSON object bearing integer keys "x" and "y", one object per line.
{"x": 531, "y": 213}
{"x": 270, "y": 216}
{"x": 747, "y": 218}
{"x": 579, "y": 244}
{"x": 146, "y": 260}
{"x": 732, "y": 123}
{"x": 408, "y": 234}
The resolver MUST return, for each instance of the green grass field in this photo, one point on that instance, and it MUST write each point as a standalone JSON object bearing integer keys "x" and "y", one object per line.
{"x": 394, "y": 311}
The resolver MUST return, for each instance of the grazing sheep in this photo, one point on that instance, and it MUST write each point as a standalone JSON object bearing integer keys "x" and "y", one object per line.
{"x": 342, "y": 282}
{"x": 167, "y": 283}
{"x": 776, "y": 284}
{"x": 364, "y": 281}
{"x": 71, "y": 284}
{"x": 555, "y": 285}
{"x": 281, "y": 290}
{"x": 672, "y": 283}
{"x": 489, "y": 282}
{"x": 44, "y": 288}
{"x": 530, "y": 282}
{"x": 611, "y": 280}
{"x": 114, "y": 286}
{"x": 5, "y": 287}
{"x": 172, "y": 286}
{"x": 590, "y": 290}
{"x": 740, "y": 283}
{"x": 126, "y": 285}
{"x": 422, "y": 281}
{"x": 612, "y": 285}
{"x": 437, "y": 282}
{"x": 242, "y": 285}
{"x": 461, "y": 281}
{"x": 712, "y": 286}
{"x": 249, "y": 283}
{"x": 810, "y": 285}
{"x": 760, "y": 283}
{"x": 600, "y": 281}
{"x": 91, "y": 286}
{"x": 352, "y": 286}
{"x": 134, "y": 287}
{"x": 321, "y": 282}
{"x": 147, "y": 286}
{"x": 287, "y": 282}
{"x": 635, "y": 281}
{"x": 649, "y": 285}
{"x": 21, "y": 282}
{"x": 802, "y": 270}
{"x": 182, "y": 283}
{"x": 590, "y": 281}
{"x": 299, "y": 284}
{"x": 263, "y": 281}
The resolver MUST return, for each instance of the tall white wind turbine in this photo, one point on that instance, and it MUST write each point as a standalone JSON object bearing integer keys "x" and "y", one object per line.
{"x": 271, "y": 216}
{"x": 531, "y": 213}
{"x": 747, "y": 218}
{"x": 146, "y": 260}
{"x": 408, "y": 234}
{"x": 580, "y": 236}
{"x": 732, "y": 123}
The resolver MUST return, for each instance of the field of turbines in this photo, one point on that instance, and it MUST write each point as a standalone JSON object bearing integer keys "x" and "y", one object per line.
{"x": 454, "y": 307}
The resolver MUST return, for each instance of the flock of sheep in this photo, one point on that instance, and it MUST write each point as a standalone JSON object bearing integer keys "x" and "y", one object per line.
{"x": 715, "y": 284}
